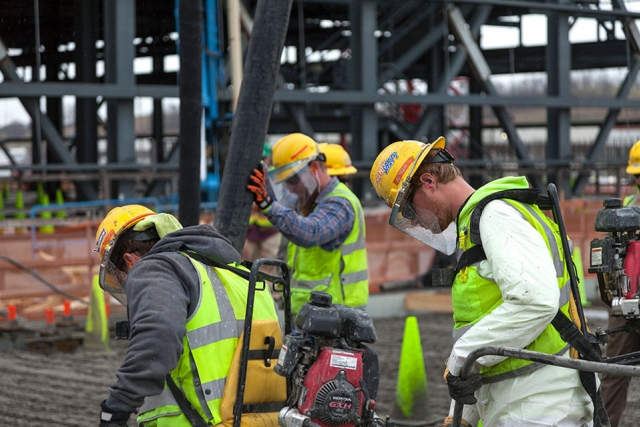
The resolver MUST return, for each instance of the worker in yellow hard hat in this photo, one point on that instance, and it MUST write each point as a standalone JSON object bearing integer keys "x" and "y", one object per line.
{"x": 338, "y": 162}
{"x": 614, "y": 387}
{"x": 506, "y": 289}
{"x": 322, "y": 219}
{"x": 180, "y": 292}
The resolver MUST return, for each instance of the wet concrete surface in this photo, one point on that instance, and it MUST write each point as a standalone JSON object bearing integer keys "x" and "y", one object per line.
{"x": 65, "y": 389}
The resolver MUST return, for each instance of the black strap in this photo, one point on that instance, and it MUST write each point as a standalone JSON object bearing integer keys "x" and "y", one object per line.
{"x": 600, "y": 416}
{"x": 219, "y": 264}
{"x": 571, "y": 334}
{"x": 256, "y": 408}
{"x": 188, "y": 410}
{"x": 589, "y": 349}
{"x": 530, "y": 196}
{"x": 471, "y": 256}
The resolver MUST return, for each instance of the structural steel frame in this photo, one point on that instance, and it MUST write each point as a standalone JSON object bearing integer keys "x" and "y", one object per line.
{"x": 379, "y": 40}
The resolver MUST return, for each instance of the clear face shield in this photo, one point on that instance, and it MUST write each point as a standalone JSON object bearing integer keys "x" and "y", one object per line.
{"x": 293, "y": 185}
{"x": 420, "y": 223}
{"x": 112, "y": 279}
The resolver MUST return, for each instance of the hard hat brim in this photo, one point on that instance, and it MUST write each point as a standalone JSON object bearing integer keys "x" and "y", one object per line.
{"x": 349, "y": 170}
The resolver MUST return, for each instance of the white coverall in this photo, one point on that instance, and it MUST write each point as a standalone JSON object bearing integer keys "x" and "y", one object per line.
{"x": 519, "y": 262}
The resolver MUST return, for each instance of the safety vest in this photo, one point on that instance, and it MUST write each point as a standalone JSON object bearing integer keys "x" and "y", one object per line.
{"x": 474, "y": 296}
{"x": 259, "y": 219}
{"x": 342, "y": 273}
{"x": 631, "y": 199}
{"x": 211, "y": 340}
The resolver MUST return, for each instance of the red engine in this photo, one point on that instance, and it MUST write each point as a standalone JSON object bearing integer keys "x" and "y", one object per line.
{"x": 334, "y": 392}
{"x": 333, "y": 375}
{"x": 631, "y": 265}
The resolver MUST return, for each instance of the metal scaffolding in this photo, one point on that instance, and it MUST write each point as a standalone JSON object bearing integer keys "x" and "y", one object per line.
{"x": 350, "y": 67}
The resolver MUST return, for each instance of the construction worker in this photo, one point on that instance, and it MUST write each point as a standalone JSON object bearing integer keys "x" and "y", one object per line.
{"x": 506, "y": 298}
{"x": 185, "y": 320}
{"x": 614, "y": 387}
{"x": 338, "y": 162}
{"x": 322, "y": 219}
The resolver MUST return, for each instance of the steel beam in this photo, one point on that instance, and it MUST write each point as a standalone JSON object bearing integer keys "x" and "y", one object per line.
{"x": 623, "y": 92}
{"x": 479, "y": 17}
{"x": 482, "y": 72}
{"x": 558, "y": 65}
{"x": 120, "y": 31}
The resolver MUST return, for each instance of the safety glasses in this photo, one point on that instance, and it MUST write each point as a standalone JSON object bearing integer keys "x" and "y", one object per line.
{"x": 111, "y": 278}
{"x": 293, "y": 180}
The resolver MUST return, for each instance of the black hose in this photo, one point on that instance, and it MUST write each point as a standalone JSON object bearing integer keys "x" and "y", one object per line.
{"x": 41, "y": 279}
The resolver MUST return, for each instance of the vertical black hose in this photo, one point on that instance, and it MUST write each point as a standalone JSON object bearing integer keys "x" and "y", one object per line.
{"x": 251, "y": 119}
{"x": 190, "y": 79}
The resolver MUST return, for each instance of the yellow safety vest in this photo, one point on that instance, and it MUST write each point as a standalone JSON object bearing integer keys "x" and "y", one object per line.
{"x": 631, "y": 199}
{"x": 474, "y": 296}
{"x": 342, "y": 273}
{"x": 211, "y": 353}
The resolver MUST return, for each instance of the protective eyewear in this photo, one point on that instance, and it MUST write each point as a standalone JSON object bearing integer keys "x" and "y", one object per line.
{"x": 111, "y": 278}
{"x": 406, "y": 209}
{"x": 293, "y": 180}
{"x": 422, "y": 224}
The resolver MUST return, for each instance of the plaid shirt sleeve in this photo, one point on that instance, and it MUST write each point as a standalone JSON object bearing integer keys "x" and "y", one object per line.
{"x": 327, "y": 226}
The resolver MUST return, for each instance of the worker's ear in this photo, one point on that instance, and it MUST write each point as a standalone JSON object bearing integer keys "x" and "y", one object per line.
{"x": 428, "y": 179}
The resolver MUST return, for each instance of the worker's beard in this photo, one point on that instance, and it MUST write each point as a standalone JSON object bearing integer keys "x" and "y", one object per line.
{"x": 306, "y": 208}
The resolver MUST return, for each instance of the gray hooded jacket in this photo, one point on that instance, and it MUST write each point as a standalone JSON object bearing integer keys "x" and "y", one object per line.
{"x": 162, "y": 292}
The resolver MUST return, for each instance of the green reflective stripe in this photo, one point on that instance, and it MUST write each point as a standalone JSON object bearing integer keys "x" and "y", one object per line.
{"x": 527, "y": 369}
{"x": 216, "y": 332}
{"x": 308, "y": 285}
{"x": 557, "y": 260}
{"x": 351, "y": 278}
{"x": 215, "y": 389}
{"x": 631, "y": 200}
{"x": 163, "y": 399}
{"x": 224, "y": 305}
{"x": 352, "y": 247}
{"x": 565, "y": 294}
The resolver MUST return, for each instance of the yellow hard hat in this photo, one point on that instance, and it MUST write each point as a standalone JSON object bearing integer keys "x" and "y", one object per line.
{"x": 291, "y": 153}
{"x": 393, "y": 168}
{"x": 633, "y": 167}
{"x": 338, "y": 160}
{"x": 117, "y": 220}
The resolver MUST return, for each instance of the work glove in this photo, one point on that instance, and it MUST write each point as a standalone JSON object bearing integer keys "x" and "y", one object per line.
{"x": 462, "y": 390}
{"x": 164, "y": 223}
{"x": 258, "y": 186}
{"x": 111, "y": 418}
{"x": 448, "y": 422}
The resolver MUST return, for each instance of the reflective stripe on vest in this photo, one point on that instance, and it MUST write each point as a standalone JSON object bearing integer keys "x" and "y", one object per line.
{"x": 212, "y": 335}
{"x": 631, "y": 200}
{"x": 342, "y": 273}
{"x": 474, "y": 296}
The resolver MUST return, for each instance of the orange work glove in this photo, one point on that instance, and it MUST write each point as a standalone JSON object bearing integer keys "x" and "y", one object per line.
{"x": 258, "y": 186}
{"x": 449, "y": 421}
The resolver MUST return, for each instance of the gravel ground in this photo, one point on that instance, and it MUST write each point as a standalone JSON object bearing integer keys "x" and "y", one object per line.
{"x": 65, "y": 389}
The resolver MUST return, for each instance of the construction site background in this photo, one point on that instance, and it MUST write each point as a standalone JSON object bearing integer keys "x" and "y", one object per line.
{"x": 63, "y": 257}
